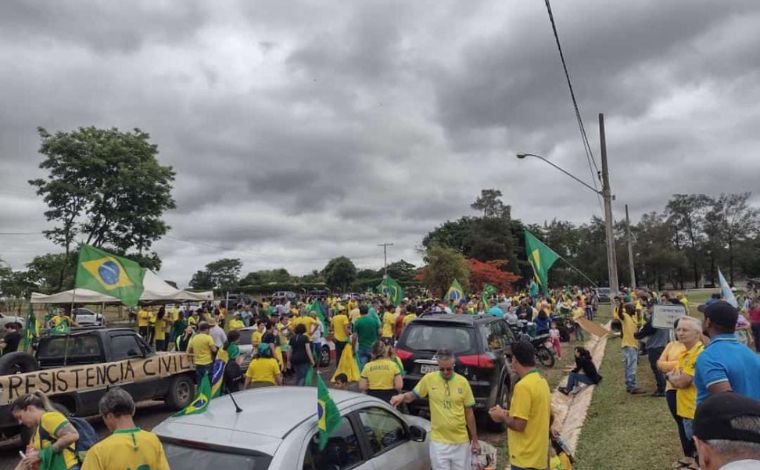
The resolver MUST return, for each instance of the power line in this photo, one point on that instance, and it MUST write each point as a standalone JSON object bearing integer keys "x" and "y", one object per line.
{"x": 582, "y": 129}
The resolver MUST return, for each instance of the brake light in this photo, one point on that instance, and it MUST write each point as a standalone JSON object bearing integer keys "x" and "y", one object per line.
{"x": 403, "y": 355}
{"x": 483, "y": 361}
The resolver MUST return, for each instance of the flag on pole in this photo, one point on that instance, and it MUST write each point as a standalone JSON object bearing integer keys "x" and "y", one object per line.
{"x": 109, "y": 274}
{"x": 30, "y": 331}
{"x": 347, "y": 365}
{"x": 316, "y": 306}
{"x": 328, "y": 415}
{"x": 201, "y": 400}
{"x": 488, "y": 292}
{"x": 391, "y": 289}
{"x": 455, "y": 293}
{"x": 541, "y": 258}
{"x": 217, "y": 372}
{"x": 726, "y": 292}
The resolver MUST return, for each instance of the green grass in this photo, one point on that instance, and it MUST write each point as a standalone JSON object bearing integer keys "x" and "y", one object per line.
{"x": 624, "y": 432}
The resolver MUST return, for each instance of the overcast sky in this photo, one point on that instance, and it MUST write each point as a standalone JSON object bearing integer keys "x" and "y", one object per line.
{"x": 305, "y": 130}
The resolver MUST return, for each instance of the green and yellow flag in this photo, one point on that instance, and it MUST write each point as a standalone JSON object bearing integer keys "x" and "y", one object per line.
{"x": 31, "y": 330}
{"x": 488, "y": 292}
{"x": 201, "y": 400}
{"x": 391, "y": 289}
{"x": 328, "y": 415}
{"x": 109, "y": 274}
{"x": 541, "y": 258}
{"x": 455, "y": 293}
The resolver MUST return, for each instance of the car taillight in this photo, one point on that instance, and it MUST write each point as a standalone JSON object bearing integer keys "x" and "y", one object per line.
{"x": 483, "y": 361}
{"x": 403, "y": 355}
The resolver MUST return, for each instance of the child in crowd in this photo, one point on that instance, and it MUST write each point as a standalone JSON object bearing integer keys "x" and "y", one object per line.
{"x": 341, "y": 382}
{"x": 554, "y": 337}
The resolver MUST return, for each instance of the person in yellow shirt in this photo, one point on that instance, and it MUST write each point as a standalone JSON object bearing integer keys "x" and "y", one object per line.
{"x": 667, "y": 363}
{"x": 308, "y": 321}
{"x": 128, "y": 446}
{"x": 159, "y": 329}
{"x": 143, "y": 322}
{"x": 151, "y": 326}
{"x": 341, "y": 331}
{"x": 578, "y": 313}
{"x": 203, "y": 348}
{"x": 51, "y": 429}
{"x": 389, "y": 320}
{"x": 451, "y": 415}
{"x": 236, "y": 323}
{"x": 354, "y": 314}
{"x": 264, "y": 370}
{"x": 381, "y": 377}
{"x": 629, "y": 345}
{"x": 688, "y": 332}
{"x": 529, "y": 415}
{"x": 408, "y": 318}
{"x": 257, "y": 334}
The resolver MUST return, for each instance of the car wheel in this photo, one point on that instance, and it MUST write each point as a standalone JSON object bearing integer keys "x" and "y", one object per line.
{"x": 181, "y": 392}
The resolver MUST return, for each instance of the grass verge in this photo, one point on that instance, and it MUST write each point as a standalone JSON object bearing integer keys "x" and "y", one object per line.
{"x": 625, "y": 432}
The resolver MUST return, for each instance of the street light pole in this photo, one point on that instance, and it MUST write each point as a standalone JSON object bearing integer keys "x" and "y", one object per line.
{"x": 608, "y": 221}
{"x": 606, "y": 194}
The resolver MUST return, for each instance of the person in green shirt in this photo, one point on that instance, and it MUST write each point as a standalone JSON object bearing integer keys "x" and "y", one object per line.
{"x": 365, "y": 333}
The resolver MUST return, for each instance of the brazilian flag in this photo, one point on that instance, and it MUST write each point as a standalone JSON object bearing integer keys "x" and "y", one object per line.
{"x": 201, "y": 400}
{"x": 488, "y": 292}
{"x": 30, "y": 331}
{"x": 61, "y": 328}
{"x": 217, "y": 372}
{"x": 455, "y": 293}
{"x": 541, "y": 258}
{"x": 391, "y": 289}
{"x": 109, "y": 274}
{"x": 327, "y": 413}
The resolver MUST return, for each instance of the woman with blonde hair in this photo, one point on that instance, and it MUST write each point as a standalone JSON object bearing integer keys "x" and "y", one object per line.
{"x": 52, "y": 430}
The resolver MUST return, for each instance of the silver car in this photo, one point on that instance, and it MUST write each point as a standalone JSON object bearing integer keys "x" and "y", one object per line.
{"x": 277, "y": 430}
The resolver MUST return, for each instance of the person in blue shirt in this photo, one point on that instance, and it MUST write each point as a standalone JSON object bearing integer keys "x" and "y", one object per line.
{"x": 726, "y": 365}
{"x": 495, "y": 310}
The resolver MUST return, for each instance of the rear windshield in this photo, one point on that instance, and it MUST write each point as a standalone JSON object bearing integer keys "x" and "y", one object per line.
{"x": 421, "y": 336}
{"x": 204, "y": 459}
{"x": 69, "y": 346}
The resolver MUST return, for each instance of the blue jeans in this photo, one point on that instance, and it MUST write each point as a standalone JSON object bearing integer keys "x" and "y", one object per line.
{"x": 688, "y": 428}
{"x": 574, "y": 378}
{"x": 200, "y": 371}
{"x": 630, "y": 361}
{"x": 301, "y": 370}
{"x": 364, "y": 355}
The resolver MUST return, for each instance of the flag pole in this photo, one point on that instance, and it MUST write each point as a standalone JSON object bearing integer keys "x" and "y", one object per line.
{"x": 578, "y": 270}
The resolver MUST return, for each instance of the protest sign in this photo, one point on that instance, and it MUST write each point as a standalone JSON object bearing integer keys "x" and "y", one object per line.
{"x": 93, "y": 376}
{"x": 664, "y": 316}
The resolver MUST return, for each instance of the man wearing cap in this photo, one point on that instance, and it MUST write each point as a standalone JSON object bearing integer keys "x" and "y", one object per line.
{"x": 726, "y": 365}
{"x": 727, "y": 432}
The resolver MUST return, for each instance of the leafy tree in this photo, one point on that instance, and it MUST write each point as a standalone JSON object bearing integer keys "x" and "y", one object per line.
{"x": 477, "y": 237}
{"x": 267, "y": 276}
{"x": 339, "y": 273}
{"x": 106, "y": 186}
{"x": 370, "y": 273}
{"x": 687, "y": 214}
{"x": 222, "y": 274}
{"x": 736, "y": 221}
{"x": 491, "y": 204}
{"x": 401, "y": 270}
{"x": 442, "y": 266}
{"x": 491, "y": 272}
{"x": 658, "y": 262}
{"x": 45, "y": 271}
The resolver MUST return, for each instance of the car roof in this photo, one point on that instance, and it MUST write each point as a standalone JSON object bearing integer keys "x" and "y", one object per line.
{"x": 268, "y": 415}
{"x": 463, "y": 319}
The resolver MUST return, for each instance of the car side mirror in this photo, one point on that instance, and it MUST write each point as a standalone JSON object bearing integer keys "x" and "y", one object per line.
{"x": 417, "y": 434}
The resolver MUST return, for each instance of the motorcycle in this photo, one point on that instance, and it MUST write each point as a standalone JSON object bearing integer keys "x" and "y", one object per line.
{"x": 526, "y": 331}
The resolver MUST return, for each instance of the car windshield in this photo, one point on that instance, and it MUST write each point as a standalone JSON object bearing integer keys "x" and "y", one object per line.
{"x": 429, "y": 337}
{"x": 205, "y": 459}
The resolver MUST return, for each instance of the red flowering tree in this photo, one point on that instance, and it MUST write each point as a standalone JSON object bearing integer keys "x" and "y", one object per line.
{"x": 490, "y": 272}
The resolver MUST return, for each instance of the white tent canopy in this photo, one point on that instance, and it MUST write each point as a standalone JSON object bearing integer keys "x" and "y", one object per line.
{"x": 155, "y": 289}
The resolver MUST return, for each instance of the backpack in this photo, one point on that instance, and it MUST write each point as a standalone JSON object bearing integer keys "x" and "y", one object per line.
{"x": 87, "y": 436}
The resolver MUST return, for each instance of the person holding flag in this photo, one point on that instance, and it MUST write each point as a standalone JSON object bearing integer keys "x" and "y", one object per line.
{"x": 455, "y": 292}
{"x": 541, "y": 258}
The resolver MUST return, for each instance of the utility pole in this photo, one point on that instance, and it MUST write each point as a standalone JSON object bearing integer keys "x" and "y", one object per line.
{"x": 385, "y": 257}
{"x": 607, "y": 195}
{"x": 630, "y": 248}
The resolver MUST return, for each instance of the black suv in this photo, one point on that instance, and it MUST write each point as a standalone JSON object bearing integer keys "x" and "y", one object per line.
{"x": 482, "y": 346}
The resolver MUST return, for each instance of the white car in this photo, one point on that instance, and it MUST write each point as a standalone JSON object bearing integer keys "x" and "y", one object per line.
{"x": 277, "y": 430}
{"x": 86, "y": 317}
